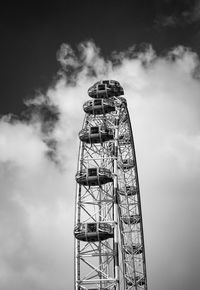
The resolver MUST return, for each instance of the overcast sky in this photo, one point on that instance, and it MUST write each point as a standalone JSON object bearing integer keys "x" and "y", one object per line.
{"x": 50, "y": 55}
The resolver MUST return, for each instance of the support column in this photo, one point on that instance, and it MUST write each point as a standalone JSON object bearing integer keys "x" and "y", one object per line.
{"x": 116, "y": 237}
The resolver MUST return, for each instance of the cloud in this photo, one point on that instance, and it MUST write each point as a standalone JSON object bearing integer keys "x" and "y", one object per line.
{"x": 38, "y": 188}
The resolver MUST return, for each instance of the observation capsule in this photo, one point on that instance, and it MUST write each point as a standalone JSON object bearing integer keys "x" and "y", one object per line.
{"x": 129, "y": 190}
{"x": 96, "y": 134}
{"x": 105, "y": 89}
{"x": 124, "y": 139}
{"x": 94, "y": 176}
{"x": 132, "y": 219}
{"x": 134, "y": 249}
{"x": 136, "y": 281}
{"x": 93, "y": 232}
{"x": 99, "y": 106}
{"x": 127, "y": 164}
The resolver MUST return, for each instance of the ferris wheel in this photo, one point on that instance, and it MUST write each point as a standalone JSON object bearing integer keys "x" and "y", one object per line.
{"x": 109, "y": 240}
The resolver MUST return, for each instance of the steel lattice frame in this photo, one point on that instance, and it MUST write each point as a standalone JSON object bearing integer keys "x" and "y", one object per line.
{"x": 118, "y": 261}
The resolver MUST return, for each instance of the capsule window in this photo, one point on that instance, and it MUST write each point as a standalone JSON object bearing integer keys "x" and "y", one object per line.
{"x": 92, "y": 172}
{"x": 91, "y": 227}
{"x": 104, "y": 171}
{"x": 94, "y": 130}
{"x": 106, "y": 82}
{"x": 97, "y": 102}
{"x": 82, "y": 227}
{"x": 101, "y": 87}
{"x": 105, "y": 227}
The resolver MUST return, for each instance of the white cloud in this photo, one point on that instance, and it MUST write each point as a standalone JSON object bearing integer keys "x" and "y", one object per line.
{"x": 20, "y": 143}
{"x": 37, "y": 196}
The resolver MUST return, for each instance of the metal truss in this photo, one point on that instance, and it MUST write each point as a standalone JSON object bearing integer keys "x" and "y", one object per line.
{"x": 109, "y": 239}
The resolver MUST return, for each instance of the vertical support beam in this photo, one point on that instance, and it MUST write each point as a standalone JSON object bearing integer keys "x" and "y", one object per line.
{"x": 77, "y": 242}
{"x": 100, "y": 244}
{"x": 77, "y": 264}
{"x": 116, "y": 236}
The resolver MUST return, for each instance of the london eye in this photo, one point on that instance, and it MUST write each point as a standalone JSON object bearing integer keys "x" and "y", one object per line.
{"x": 109, "y": 250}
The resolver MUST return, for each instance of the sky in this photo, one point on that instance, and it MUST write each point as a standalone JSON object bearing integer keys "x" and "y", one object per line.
{"x": 50, "y": 54}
